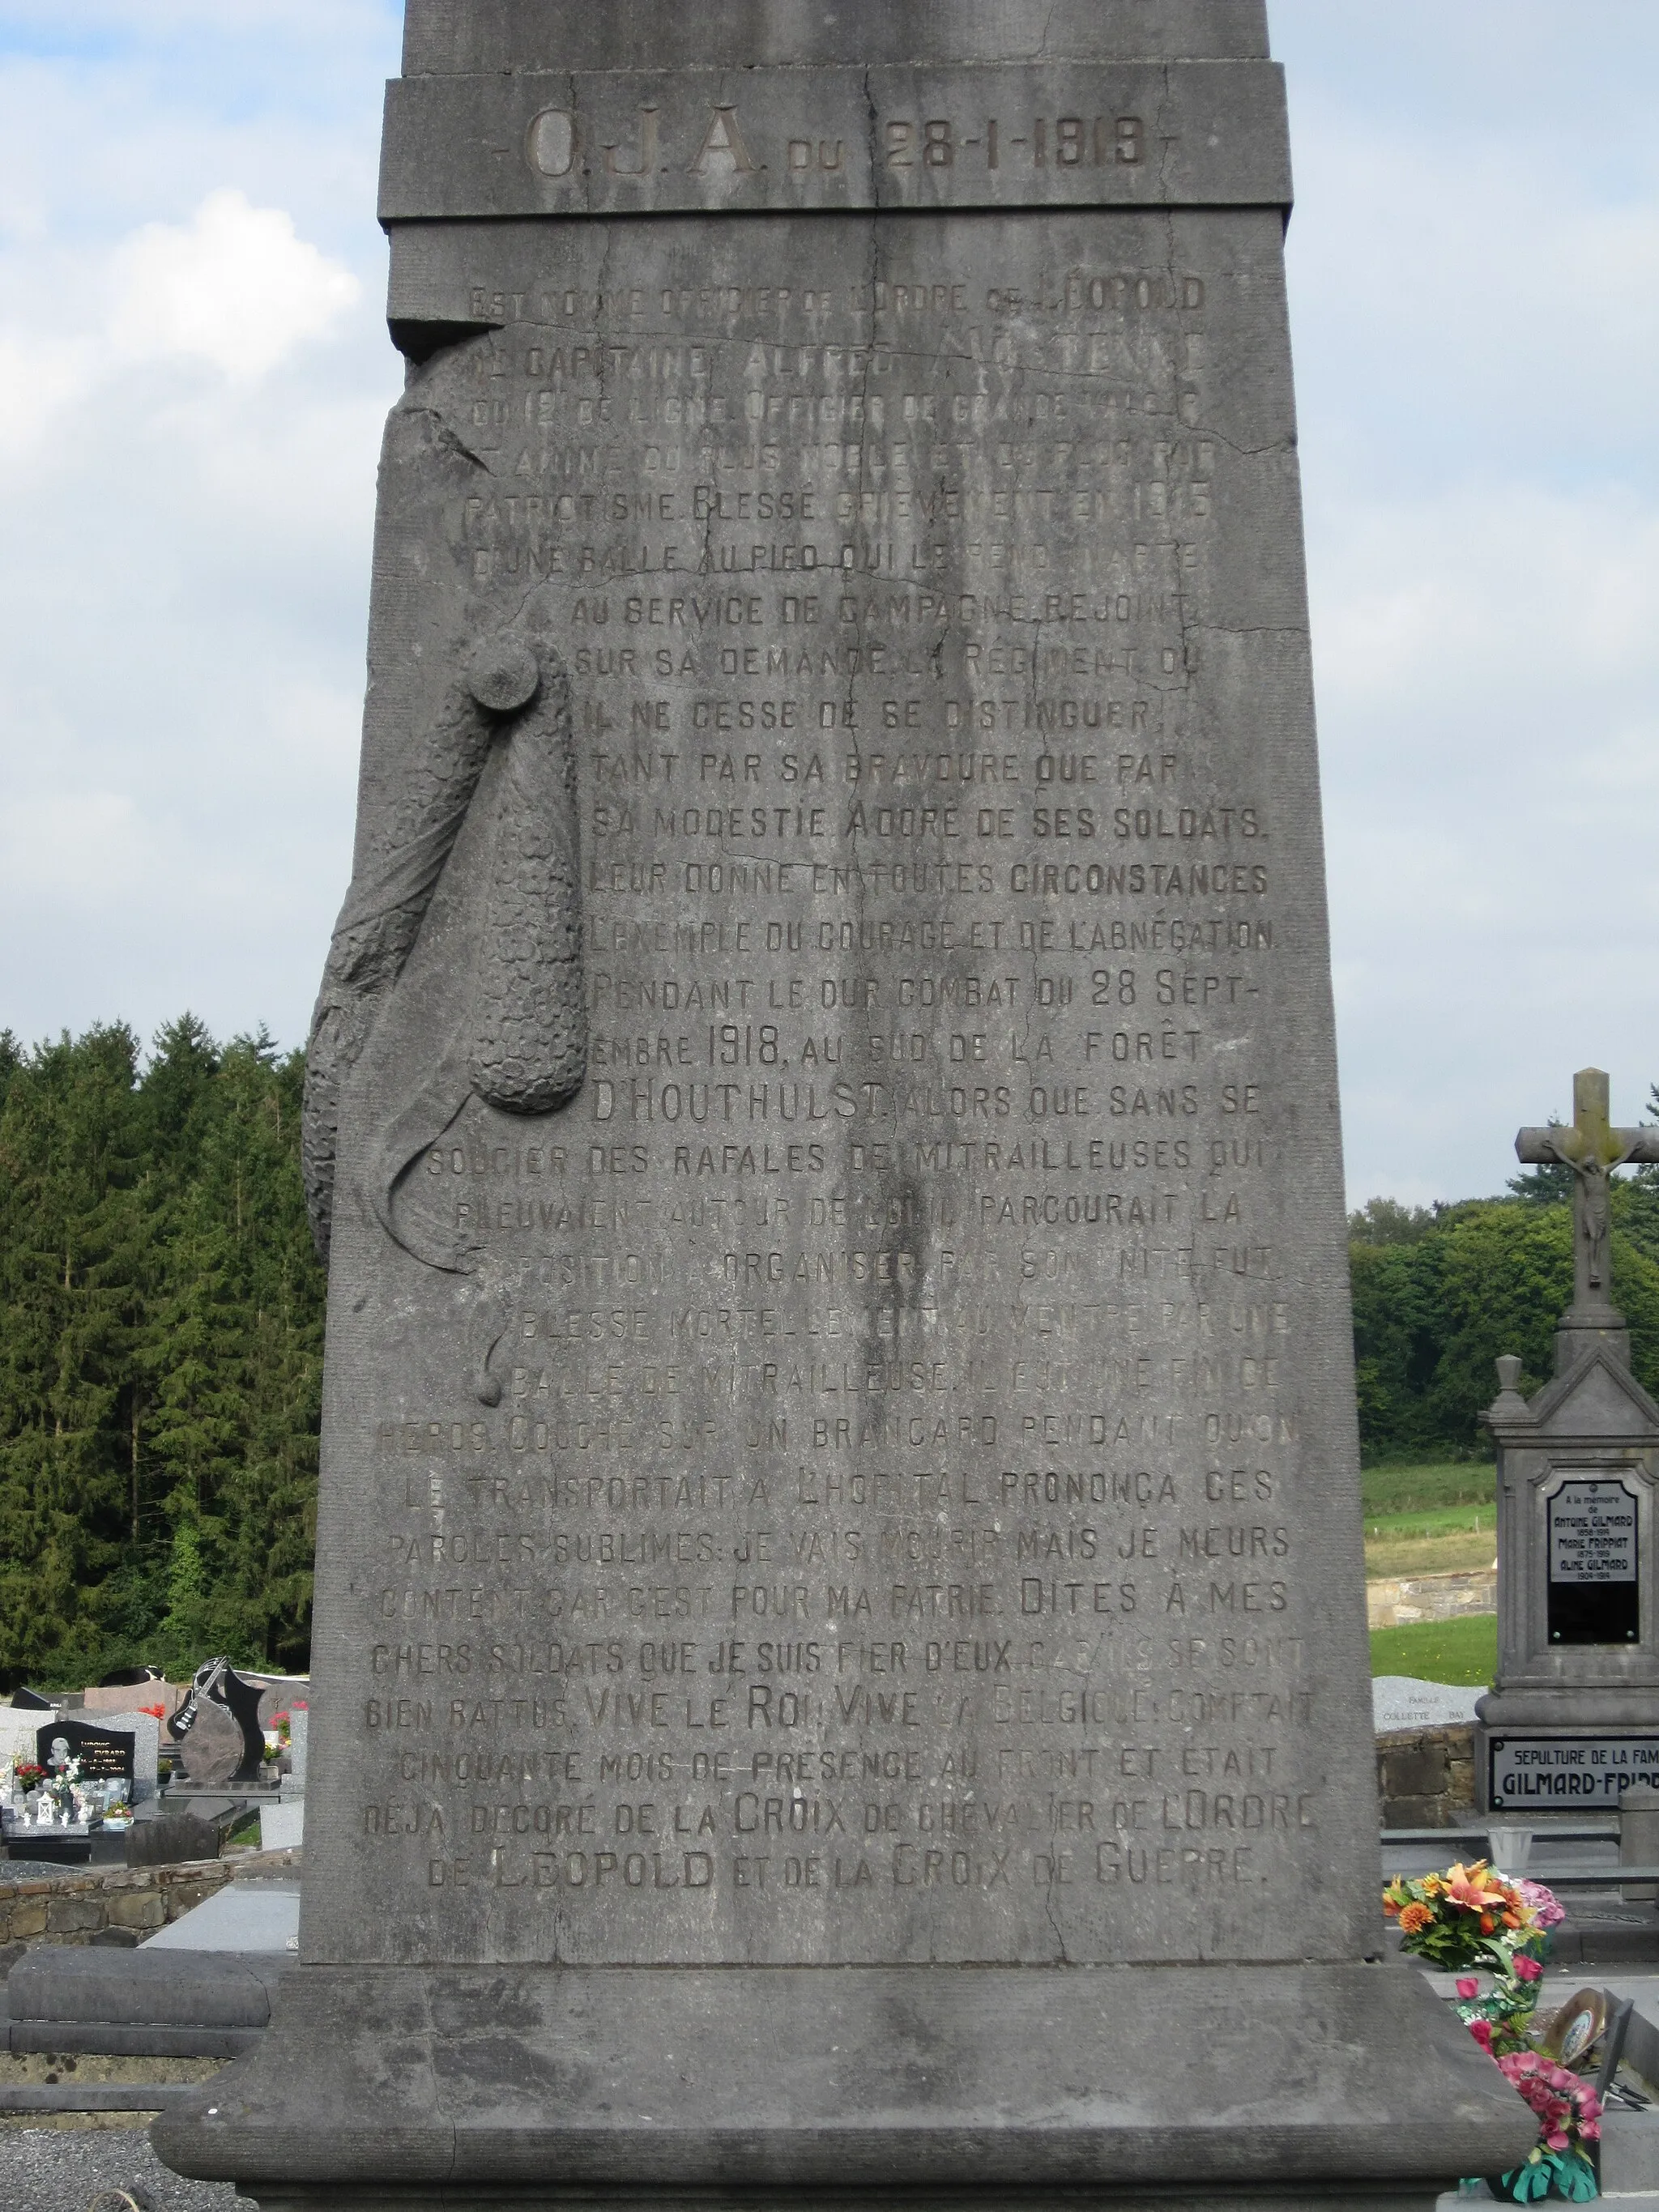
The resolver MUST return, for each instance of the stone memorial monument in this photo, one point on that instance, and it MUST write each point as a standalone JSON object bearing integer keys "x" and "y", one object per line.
{"x": 840, "y": 1647}
{"x": 1573, "y": 1717}
{"x": 219, "y": 1728}
{"x": 103, "y": 1755}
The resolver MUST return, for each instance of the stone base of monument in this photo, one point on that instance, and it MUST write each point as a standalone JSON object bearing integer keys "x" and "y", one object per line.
{"x": 1222, "y": 2085}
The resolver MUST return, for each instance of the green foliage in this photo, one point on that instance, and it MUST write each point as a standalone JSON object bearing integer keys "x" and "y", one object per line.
{"x": 1462, "y": 1652}
{"x": 1385, "y": 1221}
{"x": 1483, "y": 1278}
{"x": 161, "y": 1352}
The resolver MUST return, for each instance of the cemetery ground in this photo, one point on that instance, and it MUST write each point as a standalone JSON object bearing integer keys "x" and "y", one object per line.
{"x": 1464, "y": 1653}
{"x": 1429, "y": 1520}
{"x": 1435, "y": 1519}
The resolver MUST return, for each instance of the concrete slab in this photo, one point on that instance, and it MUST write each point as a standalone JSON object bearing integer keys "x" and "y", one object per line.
{"x": 245, "y": 1916}
{"x": 282, "y": 1826}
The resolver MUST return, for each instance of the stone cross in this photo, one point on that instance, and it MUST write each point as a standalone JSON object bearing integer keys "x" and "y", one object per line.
{"x": 1592, "y": 1148}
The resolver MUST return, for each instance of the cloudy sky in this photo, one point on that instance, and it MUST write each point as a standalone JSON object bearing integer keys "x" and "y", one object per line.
{"x": 193, "y": 370}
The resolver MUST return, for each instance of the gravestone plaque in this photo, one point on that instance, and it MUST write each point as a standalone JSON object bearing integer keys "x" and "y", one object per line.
{"x": 105, "y": 1754}
{"x": 839, "y": 1435}
{"x": 1593, "y": 1582}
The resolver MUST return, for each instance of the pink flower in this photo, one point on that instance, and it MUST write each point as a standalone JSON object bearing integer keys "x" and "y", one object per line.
{"x": 1528, "y": 1970}
{"x": 1546, "y": 1910}
{"x": 1467, "y": 1985}
{"x": 1481, "y": 2031}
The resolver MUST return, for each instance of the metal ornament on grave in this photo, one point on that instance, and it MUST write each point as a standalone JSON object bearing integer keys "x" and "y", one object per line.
{"x": 839, "y": 1576}
{"x": 1569, "y": 1721}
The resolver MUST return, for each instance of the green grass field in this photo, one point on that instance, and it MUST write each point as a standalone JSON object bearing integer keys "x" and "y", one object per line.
{"x": 1460, "y": 1651}
{"x": 1390, "y": 1489}
{"x": 1429, "y": 1520}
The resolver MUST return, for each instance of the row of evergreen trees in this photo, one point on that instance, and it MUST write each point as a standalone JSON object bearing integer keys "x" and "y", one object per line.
{"x": 161, "y": 1333}
{"x": 161, "y": 1355}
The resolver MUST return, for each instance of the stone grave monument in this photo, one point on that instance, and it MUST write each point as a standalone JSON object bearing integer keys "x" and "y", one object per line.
{"x": 1573, "y": 1717}
{"x": 219, "y": 1729}
{"x": 840, "y": 1640}
{"x": 104, "y": 1755}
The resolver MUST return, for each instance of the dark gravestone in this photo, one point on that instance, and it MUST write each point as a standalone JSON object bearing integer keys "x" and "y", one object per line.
{"x": 160, "y": 1837}
{"x": 106, "y": 1755}
{"x": 32, "y": 1701}
{"x": 839, "y": 1615}
{"x": 1592, "y": 1580}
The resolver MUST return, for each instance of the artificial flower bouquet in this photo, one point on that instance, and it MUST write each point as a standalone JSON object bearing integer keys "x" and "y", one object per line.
{"x": 1569, "y": 2112}
{"x": 1474, "y": 1917}
{"x": 62, "y": 1785}
{"x": 1470, "y": 1917}
{"x": 1500, "y": 2018}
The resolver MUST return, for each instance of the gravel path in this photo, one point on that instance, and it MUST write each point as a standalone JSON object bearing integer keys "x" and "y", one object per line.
{"x": 51, "y": 2170}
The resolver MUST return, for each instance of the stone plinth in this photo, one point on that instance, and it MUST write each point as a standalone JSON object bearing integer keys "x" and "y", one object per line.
{"x": 1573, "y": 1717}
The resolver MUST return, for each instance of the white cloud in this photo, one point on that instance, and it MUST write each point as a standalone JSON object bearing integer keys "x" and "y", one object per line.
{"x": 235, "y": 288}
{"x": 39, "y": 377}
{"x": 1477, "y": 343}
{"x": 193, "y": 380}
{"x": 58, "y": 847}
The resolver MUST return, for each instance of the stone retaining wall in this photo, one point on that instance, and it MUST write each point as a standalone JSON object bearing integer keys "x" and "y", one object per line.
{"x": 1399, "y": 1601}
{"x": 115, "y": 1902}
{"x": 1425, "y": 1776}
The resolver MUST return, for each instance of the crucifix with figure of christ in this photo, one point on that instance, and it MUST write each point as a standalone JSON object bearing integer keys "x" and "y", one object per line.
{"x": 1592, "y": 1148}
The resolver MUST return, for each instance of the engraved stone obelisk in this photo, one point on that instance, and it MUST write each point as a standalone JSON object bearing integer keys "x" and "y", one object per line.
{"x": 839, "y": 1648}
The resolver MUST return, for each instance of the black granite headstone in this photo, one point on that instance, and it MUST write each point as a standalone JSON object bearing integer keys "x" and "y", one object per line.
{"x": 218, "y": 1730}
{"x": 1595, "y": 1590}
{"x": 106, "y": 1755}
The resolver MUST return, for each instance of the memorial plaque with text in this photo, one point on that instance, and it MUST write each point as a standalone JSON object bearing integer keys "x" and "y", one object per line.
{"x": 839, "y": 1442}
{"x": 1594, "y": 1592}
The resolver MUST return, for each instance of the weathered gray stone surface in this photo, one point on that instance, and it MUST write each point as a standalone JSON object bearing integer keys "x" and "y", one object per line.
{"x": 861, "y": 1474}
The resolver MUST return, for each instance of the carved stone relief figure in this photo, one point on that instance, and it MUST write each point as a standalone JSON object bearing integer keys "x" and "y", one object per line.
{"x": 520, "y": 1044}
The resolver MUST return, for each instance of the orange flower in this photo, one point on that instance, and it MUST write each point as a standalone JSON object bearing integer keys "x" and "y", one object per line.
{"x": 1413, "y": 1917}
{"x": 1467, "y": 1887}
